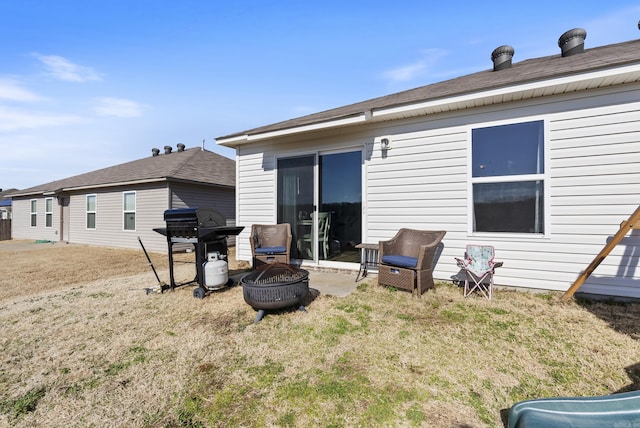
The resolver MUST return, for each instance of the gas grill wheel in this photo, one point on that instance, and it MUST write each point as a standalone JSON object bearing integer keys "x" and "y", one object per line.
{"x": 199, "y": 293}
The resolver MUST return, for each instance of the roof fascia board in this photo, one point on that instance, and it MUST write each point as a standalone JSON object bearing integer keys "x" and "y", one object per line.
{"x": 121, "y": 183}
{"x": 199, "y": 183}
{"x": 351, "y": 120}
{"x": 541, "y": 84}
{"x": 232, "y": 141}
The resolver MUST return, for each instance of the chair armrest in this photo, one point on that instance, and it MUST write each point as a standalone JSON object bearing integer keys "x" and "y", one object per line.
{"x": 426, "y": 255}
{"x": 462, "y": 263}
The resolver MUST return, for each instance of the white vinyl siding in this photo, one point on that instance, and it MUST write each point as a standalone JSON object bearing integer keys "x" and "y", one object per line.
{"x": 592, "y": 177}
{"x": 219, "y": 198}
{"x": 21, "y": 223}
{"x": 151, "y": 202}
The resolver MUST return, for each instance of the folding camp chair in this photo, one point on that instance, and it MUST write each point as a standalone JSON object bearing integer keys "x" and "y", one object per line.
{"x": 479, "y": 268}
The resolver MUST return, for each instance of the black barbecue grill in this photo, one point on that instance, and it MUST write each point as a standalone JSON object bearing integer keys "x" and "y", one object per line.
{"x": 206, "y": 229}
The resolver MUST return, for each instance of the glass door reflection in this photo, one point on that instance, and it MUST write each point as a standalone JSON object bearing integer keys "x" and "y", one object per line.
{"x": 295, "y": 201}
{"x": 331, "y": 229}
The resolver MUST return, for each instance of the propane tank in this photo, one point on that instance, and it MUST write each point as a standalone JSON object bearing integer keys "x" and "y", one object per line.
{"x": 216, "y": 271}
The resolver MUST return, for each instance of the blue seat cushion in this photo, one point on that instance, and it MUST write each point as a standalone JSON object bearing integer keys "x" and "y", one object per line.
{"x": 270, "y": 250}
{"x": 400, "y": 261}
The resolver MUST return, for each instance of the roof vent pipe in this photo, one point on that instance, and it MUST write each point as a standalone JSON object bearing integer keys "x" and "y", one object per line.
{"x": 180, "y": 147}
{"x": 155, "y": 152}
{"x": 167, "y": 150}
{"x": 501, "y": 57}
{"x": 572, "y": 41}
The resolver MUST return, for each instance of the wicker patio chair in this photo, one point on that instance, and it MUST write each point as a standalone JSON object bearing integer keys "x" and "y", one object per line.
{"x": 406, "y": 260}
{"x": 270, "y": 243}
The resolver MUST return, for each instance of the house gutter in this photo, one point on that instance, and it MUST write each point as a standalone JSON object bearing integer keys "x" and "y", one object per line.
{"x": 90, "y": 186}
{"x": 567, "y": 84}
{"x": 318, "y": 126}
{"x": 495, "y": 96}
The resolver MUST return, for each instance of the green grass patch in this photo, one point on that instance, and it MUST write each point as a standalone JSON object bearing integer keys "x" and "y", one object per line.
{"x": 20, "y": 406}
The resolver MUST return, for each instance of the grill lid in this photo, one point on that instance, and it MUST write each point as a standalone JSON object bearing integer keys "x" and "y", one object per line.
{"x": 200, "y": 217}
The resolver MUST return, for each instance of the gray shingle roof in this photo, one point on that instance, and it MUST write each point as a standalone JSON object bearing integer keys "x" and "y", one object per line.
{"x": 192, "y": 165}
{"x": 6, "y": 193}
{"x": 530, "y": 70}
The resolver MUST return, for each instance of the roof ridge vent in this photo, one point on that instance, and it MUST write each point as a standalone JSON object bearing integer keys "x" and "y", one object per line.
{"x": 180, "y": 147}
{"x": 572, "y": 41}
{"x": 155, "y": 152}
{"x": 501, "y": 57}
{"x": 167, "y": 150}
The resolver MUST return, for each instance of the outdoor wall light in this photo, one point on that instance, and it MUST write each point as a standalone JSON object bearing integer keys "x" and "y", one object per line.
{"x": 385, "y": 144}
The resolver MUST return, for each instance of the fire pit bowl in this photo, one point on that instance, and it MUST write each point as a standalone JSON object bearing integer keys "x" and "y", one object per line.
{"x": 275, "y": 286}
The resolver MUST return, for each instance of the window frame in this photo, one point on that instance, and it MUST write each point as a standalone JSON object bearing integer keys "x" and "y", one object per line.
{"x": 48, "y": 213}
{"x": 33, "y": 213}
{"x": 543, "y": 177}
{"x": 94, "y": 212}
{"x": 125, "y": 212}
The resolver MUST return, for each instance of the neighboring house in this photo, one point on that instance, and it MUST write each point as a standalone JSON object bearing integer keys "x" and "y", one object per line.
{"x": 5, "y": 204}
{"x": 5, "y": 214}
{"x": 540, "y": 158}
{"x": 116, "y": 205}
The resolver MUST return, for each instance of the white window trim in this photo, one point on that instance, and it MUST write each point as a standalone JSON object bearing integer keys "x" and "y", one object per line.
{"x": 32, "y": 213}
{"x": 544, "y": 177}
{"x": 134, "y": 211}
{"x": 48, "y": 213}
{"x": 87, "y": 212}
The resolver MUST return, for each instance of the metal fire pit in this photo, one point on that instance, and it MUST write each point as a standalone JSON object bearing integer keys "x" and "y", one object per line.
{"x": 275, "y": 286}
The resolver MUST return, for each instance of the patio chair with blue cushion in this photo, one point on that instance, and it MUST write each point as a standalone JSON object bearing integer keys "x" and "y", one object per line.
{"x": 406, "y": 261}
{"x": 270, "y": 243}
{"x": 479, "y": 268}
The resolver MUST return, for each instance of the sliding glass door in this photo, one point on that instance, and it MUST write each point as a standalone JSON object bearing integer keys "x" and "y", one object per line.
{"x": 296, "y": 199}
{"x": 321, "y": 197}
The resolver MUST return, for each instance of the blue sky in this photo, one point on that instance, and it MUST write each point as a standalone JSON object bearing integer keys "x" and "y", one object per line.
{"x": 86, "y": 84}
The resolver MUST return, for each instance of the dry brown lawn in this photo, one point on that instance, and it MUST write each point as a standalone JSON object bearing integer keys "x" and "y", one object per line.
{"x": 84, "y": 344}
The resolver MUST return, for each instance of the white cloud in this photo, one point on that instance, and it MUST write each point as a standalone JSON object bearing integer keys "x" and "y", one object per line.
{"x": 15, "y": 119}
{"x": 118, "y": 107}
{"x": 63, "y": 69}
{"x": 12, "y": 90}
{"x": 419, "y": 68}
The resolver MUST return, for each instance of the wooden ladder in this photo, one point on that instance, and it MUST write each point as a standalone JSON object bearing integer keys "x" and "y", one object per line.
{"x": 632, "y": 223}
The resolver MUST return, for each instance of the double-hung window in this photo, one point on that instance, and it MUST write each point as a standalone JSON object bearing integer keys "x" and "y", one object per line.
{"x": 34, "y": 212}
{"x": 507, "y": 177}
{"x": 129, "y": 210}
{"x": 48, "y": 212}
{"x": 91, "y": 211}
